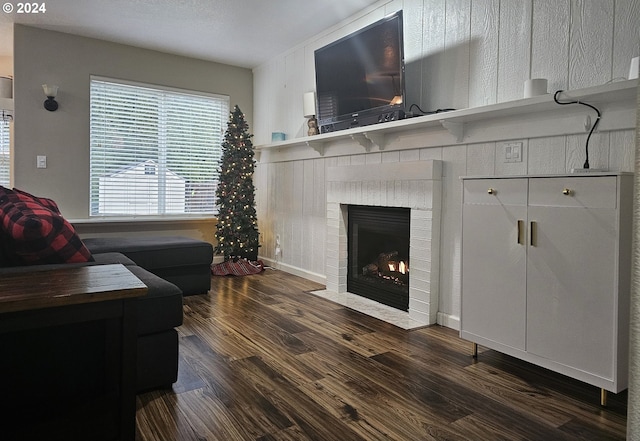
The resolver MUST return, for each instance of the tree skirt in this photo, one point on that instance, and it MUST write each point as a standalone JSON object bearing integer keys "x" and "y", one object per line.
{"x": 241, "y": 267}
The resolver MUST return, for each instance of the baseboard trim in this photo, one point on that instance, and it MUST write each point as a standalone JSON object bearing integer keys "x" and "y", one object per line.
{"x": 310, "y": 275}
{"x": 448, "y": 320}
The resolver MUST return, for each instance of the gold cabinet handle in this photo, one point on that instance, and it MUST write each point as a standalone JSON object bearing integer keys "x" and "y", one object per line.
{"x": 567, "y": 192}
{"x": 491, "y": 191}
{"x": 533, "y": 234}
{"x": 520, "y": 225}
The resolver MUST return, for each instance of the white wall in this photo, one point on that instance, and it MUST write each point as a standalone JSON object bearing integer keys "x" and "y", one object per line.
{"x": 460, "y": 54}
{"x": 468, "y": 53}
{"x": 6, "y": 67}
{"x": 42, "y": 56}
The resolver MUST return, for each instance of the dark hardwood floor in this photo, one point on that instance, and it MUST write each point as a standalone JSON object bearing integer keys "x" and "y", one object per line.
{"x": 263, "y": 360}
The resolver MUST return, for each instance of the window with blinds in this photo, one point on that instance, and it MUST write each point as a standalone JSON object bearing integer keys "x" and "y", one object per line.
{"x": 154, "y": 151}
{"x": 5, "y": 154}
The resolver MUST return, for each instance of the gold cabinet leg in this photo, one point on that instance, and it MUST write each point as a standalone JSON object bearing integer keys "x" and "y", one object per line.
{"x": 474, "y": 350}
{"x": 603, "y": 397}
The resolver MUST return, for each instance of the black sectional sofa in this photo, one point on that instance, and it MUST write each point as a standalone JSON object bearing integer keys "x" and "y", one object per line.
{"x": 34, "y": 236}
{"x": 170, "y": 267}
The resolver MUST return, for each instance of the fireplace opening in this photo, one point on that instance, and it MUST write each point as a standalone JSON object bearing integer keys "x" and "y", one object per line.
{"x": 378, "y": 254}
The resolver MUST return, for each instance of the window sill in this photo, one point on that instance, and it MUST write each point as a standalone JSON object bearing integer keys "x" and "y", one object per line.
{"x": 160, "y": 220}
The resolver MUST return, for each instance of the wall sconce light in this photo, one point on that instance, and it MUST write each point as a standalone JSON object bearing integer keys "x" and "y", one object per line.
{"x": 6, "y": 100}
{"x": 50, "y": 91}
{"x": 6, "y": 87}
{"x": 309, "y": 110}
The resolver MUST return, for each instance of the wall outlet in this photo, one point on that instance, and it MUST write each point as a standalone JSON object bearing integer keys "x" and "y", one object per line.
{"x": 278, "y": 250}
{"x": 512, "y": 151}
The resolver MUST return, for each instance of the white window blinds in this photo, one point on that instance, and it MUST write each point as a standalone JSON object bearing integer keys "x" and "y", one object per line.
{"x": 5, "y": 152}
{"x": 154, "y": 151}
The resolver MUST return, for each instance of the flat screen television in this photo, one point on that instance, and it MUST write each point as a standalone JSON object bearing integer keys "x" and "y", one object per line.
{"x": 360, "y": 78}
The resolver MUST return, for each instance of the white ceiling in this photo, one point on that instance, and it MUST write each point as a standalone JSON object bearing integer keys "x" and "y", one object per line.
{"x": 243, "y": 33}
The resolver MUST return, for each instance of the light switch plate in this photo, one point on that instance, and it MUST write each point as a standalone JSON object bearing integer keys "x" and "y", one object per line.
{"x": 41, "y": 161}
{"x": 512, "y": 151}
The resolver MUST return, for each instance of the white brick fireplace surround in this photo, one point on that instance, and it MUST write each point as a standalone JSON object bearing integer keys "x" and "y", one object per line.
{"x": 415, "y": 185}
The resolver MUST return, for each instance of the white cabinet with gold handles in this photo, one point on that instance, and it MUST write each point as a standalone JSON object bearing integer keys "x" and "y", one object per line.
{"x": 546, "y": 271}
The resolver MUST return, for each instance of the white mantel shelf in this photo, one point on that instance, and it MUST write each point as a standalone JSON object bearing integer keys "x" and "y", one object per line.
{"x": 525, "y": 118}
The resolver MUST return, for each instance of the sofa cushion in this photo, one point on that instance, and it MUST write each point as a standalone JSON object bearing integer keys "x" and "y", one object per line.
{"x": 5, "y": 259}
{"x": 161, "y": 308}
{"x": 112, "y": 259}
{"x": 153, "y": 252}
{"x": 34, "y": 231}
{"x": 183, "y": 261}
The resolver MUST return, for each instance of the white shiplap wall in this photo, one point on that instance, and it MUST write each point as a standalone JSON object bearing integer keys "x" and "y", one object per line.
{"x": 460, "y": 54}
{"x": 633, "y": 411}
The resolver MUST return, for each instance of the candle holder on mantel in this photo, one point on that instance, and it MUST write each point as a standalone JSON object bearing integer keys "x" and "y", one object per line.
{"x": 309, "y": 107}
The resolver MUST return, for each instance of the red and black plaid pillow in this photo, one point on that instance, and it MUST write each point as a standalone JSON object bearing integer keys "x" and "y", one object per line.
{"x": 23, "y": 196}
{"x": 34, "y": 231}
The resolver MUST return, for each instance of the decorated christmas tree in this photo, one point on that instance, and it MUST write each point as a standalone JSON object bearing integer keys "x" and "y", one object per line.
{"x": 237, "y": 229}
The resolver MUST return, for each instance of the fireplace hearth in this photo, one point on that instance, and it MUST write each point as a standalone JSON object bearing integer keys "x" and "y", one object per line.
{"x": 378, "y": 254}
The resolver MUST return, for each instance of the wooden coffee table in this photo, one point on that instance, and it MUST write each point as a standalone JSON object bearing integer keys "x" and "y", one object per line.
{"x": 43, "y": 299}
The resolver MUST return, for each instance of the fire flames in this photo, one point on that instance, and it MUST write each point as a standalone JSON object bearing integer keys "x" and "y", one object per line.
{"x": 402, "y": 267}
{"x": 388, "y": 267}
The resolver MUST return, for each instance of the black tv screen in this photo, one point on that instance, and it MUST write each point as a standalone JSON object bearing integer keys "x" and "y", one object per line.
{"x": 361, "y": 76}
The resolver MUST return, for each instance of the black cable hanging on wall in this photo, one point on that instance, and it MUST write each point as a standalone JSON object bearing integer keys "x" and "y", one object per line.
{"x": 593, "y": 127}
